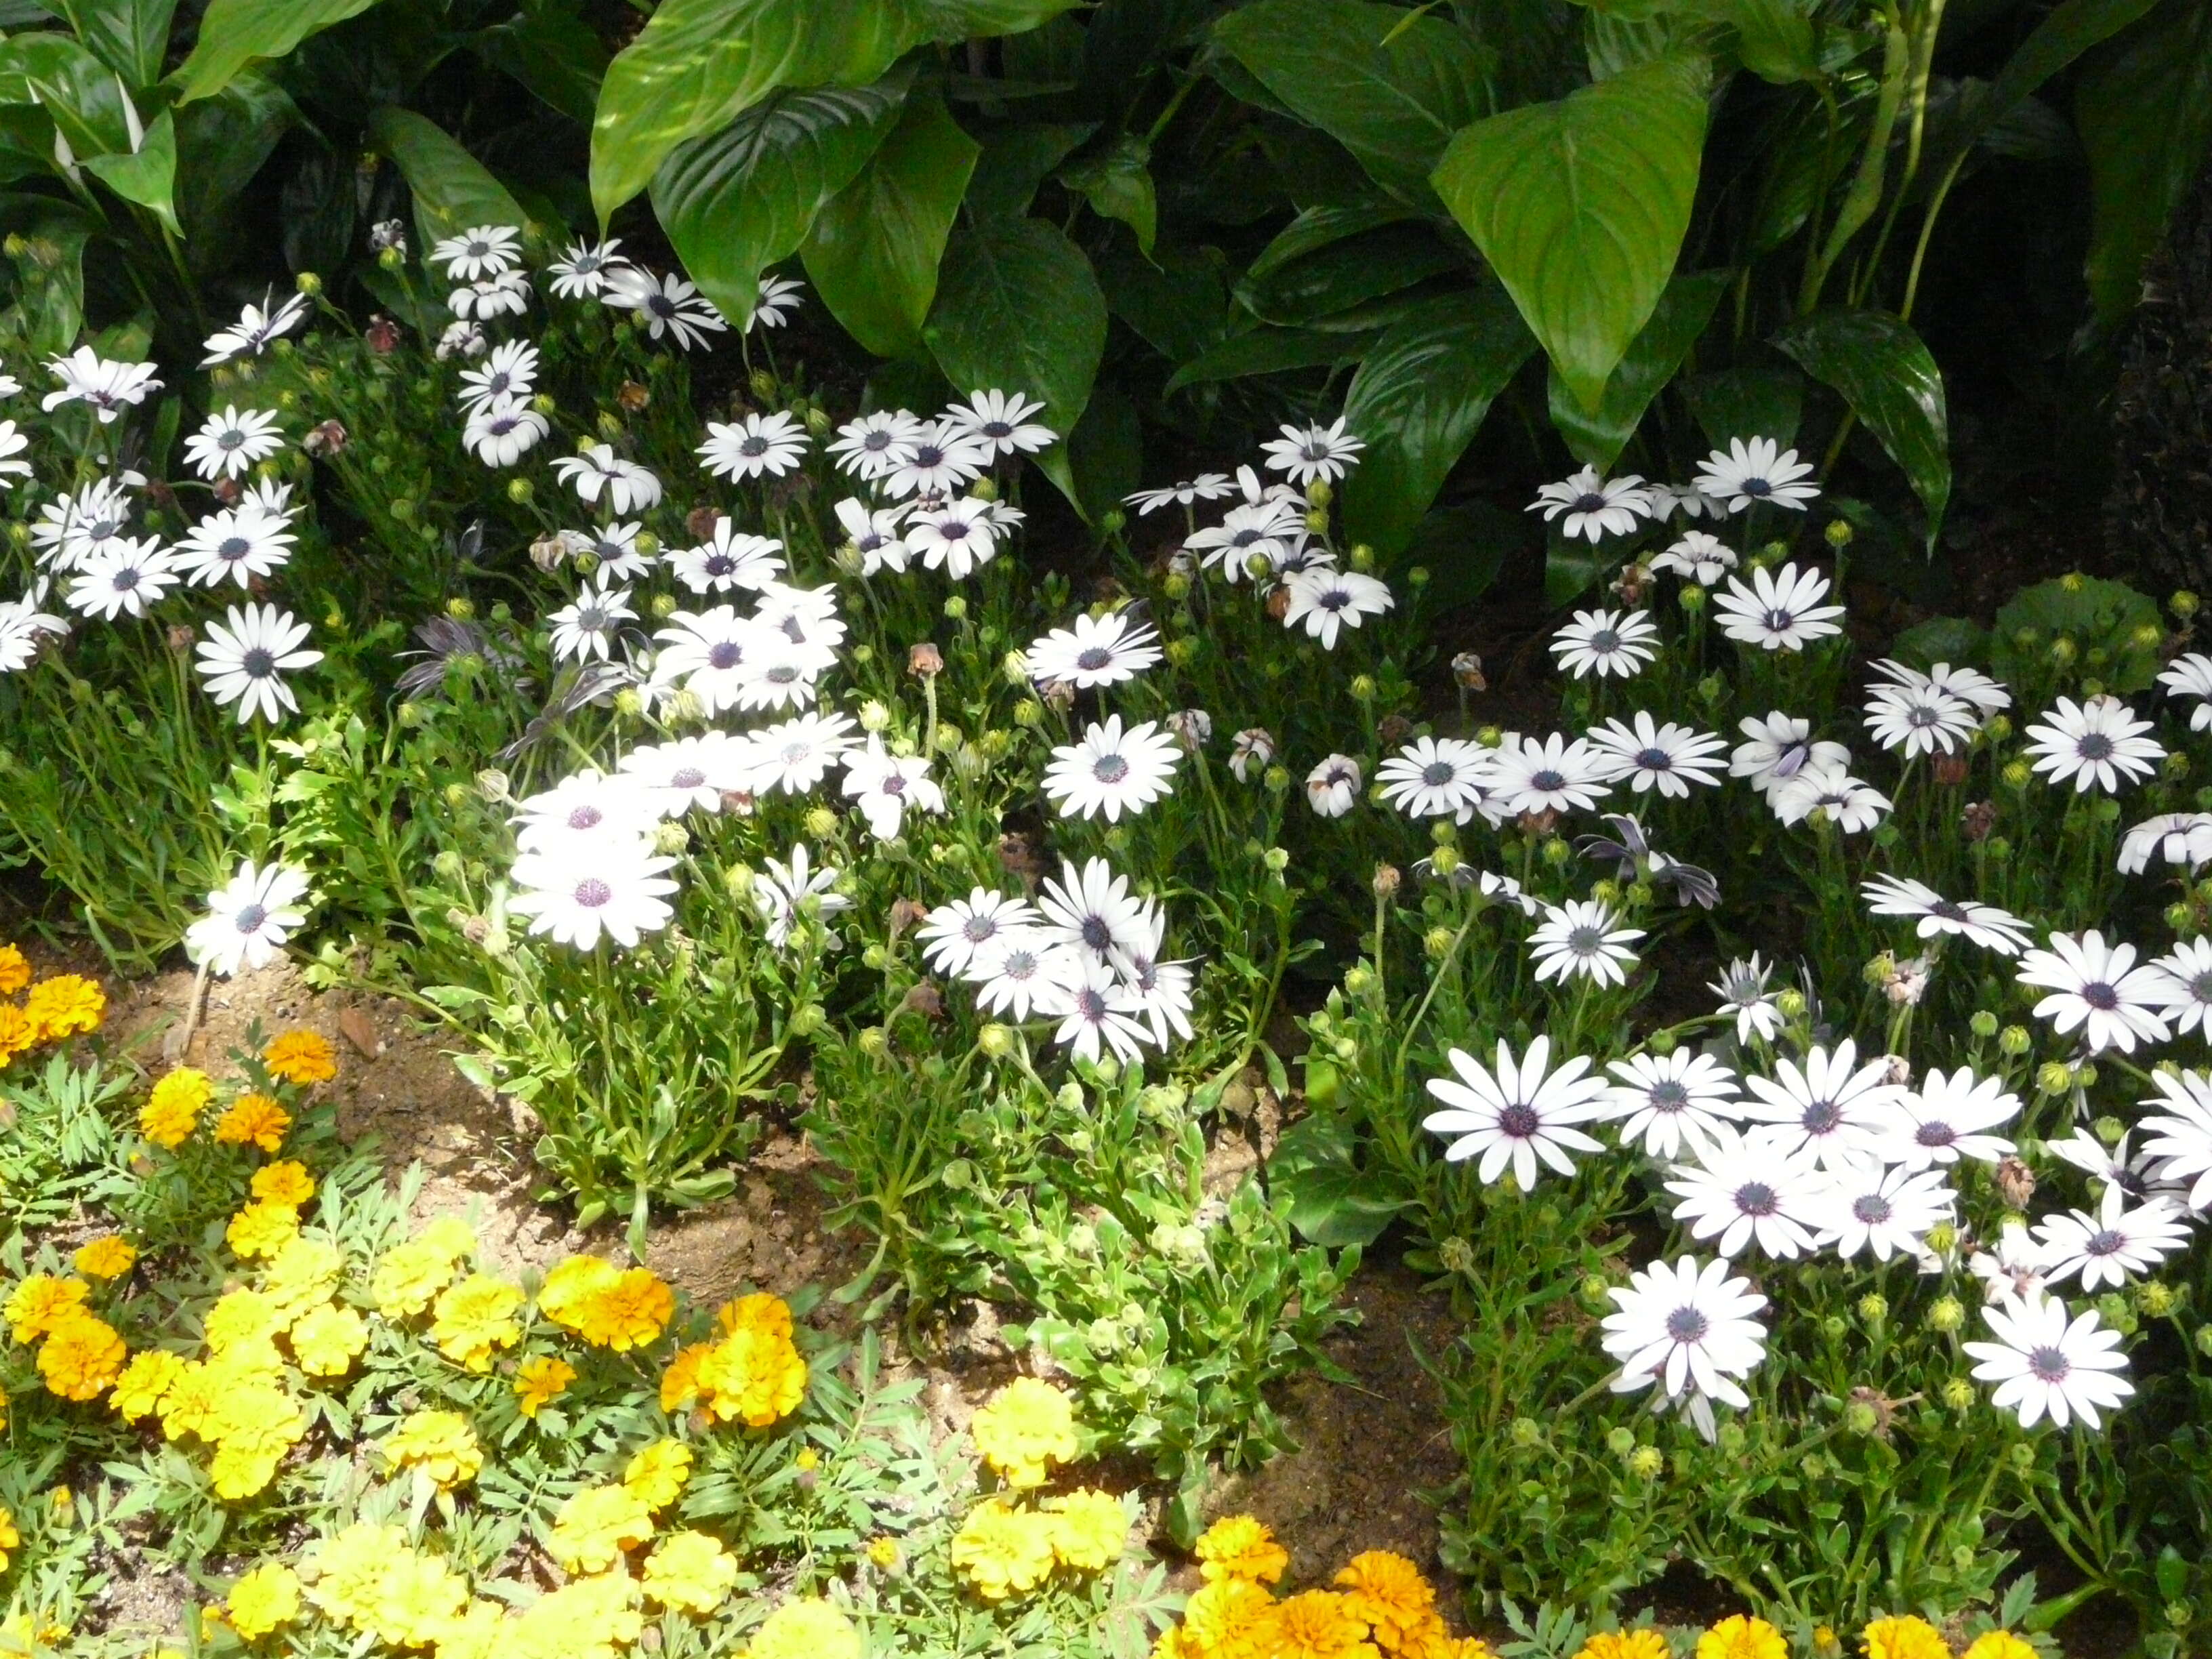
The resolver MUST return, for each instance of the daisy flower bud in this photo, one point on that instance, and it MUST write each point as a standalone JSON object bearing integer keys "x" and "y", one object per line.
{"x": 2177, "y": 917}
{"x": 1359, "y": 980}
{"x": 1958, "y": 1394}
{"x": 1691, "y": 598}
{"x": 1028, "y": 712}
{"x": 1874, "y": 1308}
{"x": 1180, "y": 652}
{"x": 738, "y": 882}
{"x": 1838, "y": 534}
{"x": 1437, "y": 941}
{"x": 2085, "y": 1074}
{"x": 995, "y": 1040}
{"x": 457, "y": 796}
{"x": 1941, "y": 1237}
{"x": 1790, "y": 1003}
{"x": 1319, "y": 493}
{"x": 818, "y": 422}
{"x": 2155, "y": 1298}
{"x": 671, "y": 841}
{"x": 2183, "y": 604}
{"x": 874, "y": 717}
{"x": 1113, "y": 521}
{"x": 2176, "y": 769}
{"x": 1556, "y": 852}
{"x": 807, "y": 1018}
{"x": 1362, "y": 687}
{"x": 308, "y": 283}
{"x": 821, "y": 823}
{"x": 1526, "y": 1431}
{"x": 1445, "y": 861}
{"x": 1176, "y": 587}
{"x": 519, "y": 491}
{"x": 2054, "y": 1077}
{"x": 1948, "y": 1315}
{"x": 1664, "y": 1043}
{"x": 2204, "y": 1340}
{"x": 1730, "y": 1437}
{"x": 629, "y": 704}
{"x": 2000, "y": 848}
{"x": 956, "y": 607}
{"x": 1277, "y": 778}
{"x": 2022, "y": 1453}
{"x": 1647, "y": 1462}
{"x": 1861, "y": 1418}
{"x": 2063, "y": 652}
{"x": 1835, "y": 1327}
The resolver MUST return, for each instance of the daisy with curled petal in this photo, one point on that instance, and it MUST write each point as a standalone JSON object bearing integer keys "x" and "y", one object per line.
{"x": 587, "y": 816}
{"x": 934, "y": 460}
{"x": 227, "y": 444}
{"x": 1249, "y": 536}
{"x": 235, "y": 543}
{"x": 1002, "y": 422}
{"x": 877, "y": 536}
{"x": 1704, "y": 559}
{"x": 1781, "y": 611}
{"x": 1204, "y": 487}
{"x": 501, "y": 432}
{"x": 1160, "y": 993}
{"x": 2116, "y": 1244}
{"x": 1332, "y": 785}
{"x": 1781, "y": 746}
{"x": 779, "y": 299}
{"x": 1760, "y": 470}
{"x": 584, "y": 269}
{"x": 249, "y": 918}
{"x": 2044, "y": 1366}
{"x": 2185, "y": 992}
{"x": 1093, "y": 910}
{"x": 1920, "y": 719}
{"x": 1251, "y": 751}
{"x": 123, "y": 579}
{"x": 1852, "y": 804}
{"x": 1097, "y": 651}
{"x": 1671, "y": 1099}
{"x": 1515, "y": 1115}
{"x": 1750, "y": 1188}
{"x": 2191, "y": 677}
{"x": 1949, "y": 1117}
{"x": 1594, "y": 507}
{"x": 1437, "y": 778}
{"x": 1111, "y": 770}
{"x": 614, "y": 550}
{"x": 479, "y": 251}
{"x": 788, "y": 891}
{"x": 1689, "y": 1328}
{"x": 953, "y": 933}
{"x": 462, "y": 339}
{"x": 1324, "y": 600}
{"x": 22, "y": 625}
{"x": 774, "y": 444}
{"x": 2096, "y": 989}
{"x": 804, "y": 616}
{"x": 1692, "y": 503}
{"x": 1984, "y": 924}
{"x": 585, "y": 629}
{"x": 2098, "y": 743}
{"x": 1830, "y": 1107}
{"x": 256, "y": 326}
{"x": 2183, "y": 840}
{"x": 511, "y": 371}
{"x": 727, "y": 559}
{"x": 12, "y": 445}
{"x": 886, "y": 786}
{"x": 664, "y": 305}
{"x": 1505, "y": 891}
{"x": 795, "y": 755}
{"x": 705, "y": 651}
{"x": 1306, "y": 454}
{"x": 1647, "y": 755}
{"x": 579, "y": 899}
{"x": 1022, "y": 976}
{"x": 1100, "y": 1012}
{"x": 2180, "y": 1135}
{"x": 957, "y": 537}
{"x": 1869, "y": 1207}
{"x": 1969, "y": 685}
{"x": 1548, "y": 774}
{"x": 866, "y": 447}
{"x": 781, "y": 673}
{"x": 686, "y": 775}
{"x": 108, "y": 386}
{"x": 245, "y": 657}
{"x": 1606, "y": 642}
{"x": 2138, "y": 1172}
{"x": 2012, "y": 1271}
{"x": 595, "y": 470}
{"x": 506, "y": 294}
{"x": 1581, "y": 939}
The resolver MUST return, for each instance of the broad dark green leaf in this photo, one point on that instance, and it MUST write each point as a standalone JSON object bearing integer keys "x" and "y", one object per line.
{"x": 1175, "y": 302}
{"x": 735, "y": 203}
{"x": 451, "y": 189}
{"x": 129, "y": 36}
{"x": 1019, "y": 308}
{"x": 1118, "y": 185}
{"x": 2096, "y": 613}
{"x": 2144, "y": 109}
{"x": 147, "y": 175}
{"x": 1580, "y": 206}
{"x": 1334, "y": 1202}
{"x": 551, "y": 49}
{"x": 1774, "y": 37}
{"x": 222, "y": 142}
{"x": 1421, "y": 393}
{"x": 1272, "y": 351}
{"x": 1571, "y": 569}
{"x": 1314, "y": 228}
{"x": 874, "y": 249}
{"x": 1342, "y": 274}
{"x": 1599, "y": 435}
{"x": 1612, "y": 43}
{"x": 1015, "y": 162}
{"x": 235, "y": 33}
{"x": 1892, "y": 384}
{"x": 1106, "y": 453}
{"x": 1391, "y": 85}
{"x": 76, "y": 91}
{"x": 1464, "y": 546}
{"x": 1955, "y": 640}
{"x": 2062, "y": 36}
{"x": 1756, "y": 399}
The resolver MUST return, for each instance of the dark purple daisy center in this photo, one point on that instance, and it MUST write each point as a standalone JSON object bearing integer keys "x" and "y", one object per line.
{"x": 250, "y": 919}
{"x": 1547, "y": 779}
{"x": 1519, "y": 1121}
{"x": 1756, "y": 1198}
{"x": 586, "y": 817}
{"x": 2095, "y": 746}
{"x": 1872, "y": 1208}
{"x": 1779, "y": 620}
{"x": 687, "y": 777}
{"x": 1935, "y": 1134}
{"x": 231, "y": 549}
{"x": 2105, "y": 1241}
{"x": 1757, "y": 487}
{"x": 1605, "y": 642}
{"x": 1822, "y": 1117}
{"x": 259, "y": 663}
{"x": 724, "y": 654}
{"x": 1092, "y": 661}
{"x": 2050, "y": 1365}
{"x": 1688, "y": 1325}
{"x": 1669, "y": 1096}
{"x": 2099, "y": 996}
{"x": 1096, "y": 935}
{"x": 1437, "y": 774}
{"x": 977, "y": 929}
{"x": 1110, "y": 768}
{"x": 1587, "y": 501}
{"x": 592, "y": 893}
{"x": 1655, "y": 760}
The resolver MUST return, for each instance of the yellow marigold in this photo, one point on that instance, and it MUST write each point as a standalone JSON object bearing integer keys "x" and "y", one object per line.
{"x": 574, "y": 1281}
{"x": 263, "y": 1600}
{"x": 809, "y": 1628}
{"x": 64, "y": 1004}
{"x": 593, "y": 1526}
{"x": 657, "y": 1473}
{"x": 239, "y": 1319}
{"x": 284, "y": 1182}
{"x": 301, "y": 1276}
{"x": 1089, "y": 1529}
{"x": 759, "y": 1311}
{"x": 539, "y": 1379}
{"x": 17, "y": 1035}
{"x": 752, "y": 1377}
{"x": 110, "y": 1257}
{"x": 327, "y": 1339}
{"x": 450, "y": 1236}
{"x": 340, "y": 1573}
{"x": 41, "y": 1303}
{"x": 1002, "y": 1550}
{"x": 629, "y": 1313}
{"x": 1027, "y": 1424}
{"x": 1238, "y": 1547}
{"x": 262, "y": 1229}
{"x": 416, "y": 1596}
{"x": 10, "y": 1538}
{"x": 1642, "y": 1643}
{"x": 591, "y": 1618}
{"x": 476, "y": 1318}
{"x": 255, "y": 1415}
{"x": 1228, "y": 1619}
{"x": 679, "y": 1383}
{"x": 1904, "y": 1639}
{"x": 1388, "y": 1593}
{"x": 689, "y": 1571}
{"x": 254, "y": 1119}
{"x": 300, "y": 1057}
{"x": 408, "y": 1277}
{"x": 81, "y": 1357}
{"x": 190, "y": 1405}
{"x": 4, "y": 1409}
{"x": 1320, "y": 1624}
{"x": 479, "y": 1631}
{"x": 172, "y": 1108}
{"x": 141, "y": 1384}
{"x": 438, "y": 1443}
{"x": 14, "y": 970}
{"x": 1998, "y": 1644}
{"x": 1740, "y": 1636}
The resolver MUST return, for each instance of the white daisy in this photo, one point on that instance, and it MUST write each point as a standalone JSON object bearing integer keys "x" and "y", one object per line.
{"x": 1745, "y": 1189}
{"x": 779, "y": 299}
{"x": 876, "y": 535}
{"x": 72, "y": 528}
{"x": 255, "y": 328}
{"x": 781, "y": 673}
{"x": 1670, "y": 1100}
{"x": 584, "y": 269}
{"x": 2013, "y": 1272}
{"x": 1097, "y": 651}
{"x": 108, "y": 386}
{"x": 1594, "y": 507}
{"x": 1667, "y": 498}
{"x": 506, "y": 294}
{"x": 2116, "y": 1244}
{"x": 1984, "y": 924}
{"x": 249, "y": 918}
{"x": 1002, "y": 422}
{"x": 2185, "y": 992}
{"x": 1306, "y": 454}
{"x": 1020, "y": 975}
{"x": 1969, "y": 685}
{"x": 1437, "y": 778}
{"x": 12, "y": 445}
{"x": 588, "y": 815}
{"x": 795, "y": 755}
{"x": 1100, "y": 1012}
{"x": 934, "y": 460}
{"x": 1852, "y": 804}
{"x": 1250, "y": 753}
{"x": 1606, "y": 642}
{"x": 788, "y": 891}
{"x": 705, "y": 651}
{"x": 1913, "y": 720}
{"x": 2183, "y": 840}
{"x": 461, "y": 338}
{"x": 245, "y": 657}
{"x": 1548, "y": 774}
{"x": 2180, "y": 1135}
{"x": 1251, "y": 535}
{"x": 22, "y": 628}
{"x": 684, "y": 774}
{"x": 584, "y": 629}
{"x": 2098, "y": 989}
{"x": 2191, "y": 677}
{"x": 958, "y": 536}
{"x": 1869, "y": 1206}
{"x": 1204, "y": 487}
{"x": 664, "y": 305}
{"x": 235, "y": 543}
{"x": 1111, "y": 770}
{"x": 866, "y": 446}
{"x": 227, "y": 444}
{"x": 1831, "y": 1107}
{"x": 1646, "y": 756}
{"x": 804, "y": 616}
{"x": 595, "y": 469}
{"x": 886, "y": 786}
{"x": 774, "y": 444}
{"x": 1781, "y": 611}
{"x": 1761, "y": 471}
{"x": 614, "y": 550}
{"x": 511, "y": 371}
{"x": 1743, "y": 991}
{"x": 1515, "y": 1115}
{"x": 1325, "y": 599}
{"x": 730, "y": 558}
{"x": 1093, "y": 910}
{"x": 2098, "y": 743}
{"x": 1781, "y": 746}
{"x": 1582, "y": 939}
{"x": 501, "y": 432}
{"x": 480, "y": 250}
{"x": 1688, "y": 1327}
{"x": 1704, "y": 559}
{"x": 952, "y": 934}
{"x": 1947, "y": 1118}
{"x": 1503, "y": 892}
{"x": 1332, "y": 785}
{"x": 2044, "y": 1366}
{"x": 123, "y": 579}
{"x": 578, "y": 899}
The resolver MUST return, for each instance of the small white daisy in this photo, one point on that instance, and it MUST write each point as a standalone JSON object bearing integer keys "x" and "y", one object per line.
{"x": 2044, "y": 1366}
{"x": 506, "y": 294}
{"x": 1204, "y": 487}
{"x": 1914, "y": 720}
{"x": 595, "y": 470}
{"x": 934, "y": 460}
{"x": 773, "y": 444}
{"x": 705, "y": 651}
{"x": 256, "y": 327}
{"x": 952, "y": 933}
{"x": 1852, "y": 804}
{"x": 1781, "y": 611}
{"x": 1594, "y": 507}
{"x": 228, "y": 444}
{"x": 1869, "y": 1207}
{"x": 1252, "y": 539}
{"x": 122, "y": 580}
{"x": 876, "y": 535}
{"x": 1002, "y": 422}
{"x": 1781, "y": 746}
{"x": 788, "y": 892}
{"x": 236, "y": 544}
{"x": 2183, "y": 840}
{"x": 1830, "y": 1106}
{"x": 1314, "y": 451}
{"x": 1745, "y": 995}
{"x": 1606, "y": 642}
{"x": 501, "y": 432}
{"x": 1324, "y": 600}
{"x": 1516, "y": 1115}
{"x": 1704, "y": 559}
{"x": 1332, "y": 785}
{"x": 886, "y": 786}
{"x": 1097, "y": 651}
{"x": 1688, "y": 1328}
{"x": 795, "y": 755}
{"x": 730, "y": 558}
{"x": 1582, "y": 939}
{"x": 2115, "y": 1244}
{"x": 249, "y": 918}
{"x": 584, "y": 629}
{"x": 584, "y": 269}
{"x": 1670, "y": 1100}
{"x": 1111, "y": 770}
{"x": 2180, "y": 1133}
{"x": 867, "y": 446}
{"x": 1100, "y": 1012}
{"x": 245, "y": 657}
{"x": 2098, "y": 743}
{"x": 1743, "y": 1189}
{"x": 480, "y": 250}
{"x": 1647, "y": 755}
{"x": 1437, "y": 778}
{"x": 2096, "y": 989}
{"x": 2185, "y": 993}
{"x": 1744, "y": 474}
{"x": 957, "y": 537}
{"x": 778, "y": 300}
{"x": 665, "y": 305}
{"x": 1984, "y": 924}
{"x": 1548, "y": 774}
{"x": 1949, "y": 1117}
{"x": 2190, "y": 675}
{"x": 107, "y": 387}
{"x": 511, "y": 371}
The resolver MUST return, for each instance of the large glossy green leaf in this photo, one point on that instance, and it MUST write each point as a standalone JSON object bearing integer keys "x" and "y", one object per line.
{"x": 1892, "y": 384}
{"x": 1391, "y": 85}
{"x": 129, "y": 36}
{"x": 222, "y": 142}
{"x": 1599, "y": 435}
{"x": 1273, "y": 351}
{"x": 1421, "y": 393}
{"x": 874, "y": 249}
{"x": 735, "y": 203}
{"x": 1175, "y": 301}
{"x": 549, "y": 48}
{"x": 2145, "y": 113}
{"x": 76, "y": 91}
{"x": 1580, "y": 206}
{"x": 1316, "y": 228}
{"x": 1335, "y": 278}
{"x": 451, "y": 189}
{"x": 698, "y": 64}
{"x": 1774, "y": 37}
{"x": 1118, "y": 185}
{"x": 1756, "y": 399}
{"x": 147, "y": 175}
{"x": 1332, "y": 1201}
{"x": 1015, "y": 161}
{"x": 1019, "y": 308}
{"x": 235, "y": 33}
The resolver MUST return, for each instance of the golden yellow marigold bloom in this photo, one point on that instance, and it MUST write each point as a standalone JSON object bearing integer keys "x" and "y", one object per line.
{"x": 1320, "y": 1624}
{"x": 593, "y": 1526}
{"x": 1002, "y": 1550}
{"x": 141, "y": 1384}
{"x": 1227, "y": 1619}
{"x": 809, "y": 1628}
{"x": 1904, "y": 1639}
{"x": 14, "y": 970}
{"x": 284, "y": 1182}
{"x": 4, "y": 1409}
{"x": 241, "y": 1318}
{"x": 10, "y": 1538}
{"x": 108, "y": 1257}
{"x": 1388, "y": 1593}
{"x": 440, "y": 1444}
{"x": 752, "y": 1377}
{"x": 689, "y": 1571}
{"x": 1026, "y": 1425}
{"x": 476, "y": 1318}
{"x": 1238, "y": 1547}
{"x": 190, "y": 1405}
{"x": 1089, "y": 1529}
{"x": 539, "y": 1379}
{"x": 629, "y": 1313}
{"x": 262, "y": 1229}
{"x": 574, "y": 1281}
{"x": 760, "y": 1312}
{"x": 408, "y": 1277}
{"x": 42, "y": 1302}
{"x": 327, "y": 1339}
{"x": 479, "y": 1631}
{"x": 449, "y": 1235}
{"x": 679, "y": 1383}
{"x": 416, "y": 1596}
{"x": 300, "y": 1057}
{"x": 1644, "y": 1643}
{"x": 1998, "y": 1644}
{"x": 591, "y": 1618}
{"x": 81, "y": 1357}
{"x": 301, "y": 1276}
{"x": 1742, "y": 1637}
{"x": 172, "y": 1107}
{"x": 657, "y": 1473}
{"x": 254, "y": 1119}
{"x": 64, "y": 1004}
{"x": 883, "y": 1551}
{"x": 341, "y": 1572}
{"x": 17, "y": 1035}
{"x": 263, "y": 1600}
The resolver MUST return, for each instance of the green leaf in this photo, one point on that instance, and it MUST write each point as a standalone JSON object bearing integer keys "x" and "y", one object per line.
{"x": 1598, "y": 436}
{"x": 2144, "y": 110}
{"x": 1348, "y": 273}
{"x": 1463, "y": 547}
{"x": 874, "y": 249}
{"x": 1421, "y": 394}
{"x": 1392, "y": 87}
{"x": 1015, "y": 162}
{"x": 698, "y": 64}
{"x": 2058, "y": 39}
{"x": 233, "y": 33}
{"x": 2096, "y": 614}
{"x": 735, "y": 203}
{"x": 1106, "y": 453}
{"x": 1174, "y": 300}
{"x": 74, "y": 89}
{"x": 1955, "y": 640}
{"x": 1892, "y": 384}
{"x": 222, "y": 142}
{"x": 1272, "y": 351}
{"x": 1580, "y": 206}
{"x": 1119, "y": 186}
{"x": 1316, "y": 228}
{"x": 1570, "y": 569}
{"x": 129, "y": 36}
{"x": 1765, "y": 399}
{"x": 1332, "y": 1201}
{"x": 147, "y": 175}
{"x": 1774, "y": 37}
{"x": 551, "y": 49}
{"x": 452, "y": 190}
{"x": 1019, "y": 308}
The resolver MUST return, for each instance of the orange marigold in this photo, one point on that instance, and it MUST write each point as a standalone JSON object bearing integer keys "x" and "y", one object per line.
{"x": 254, "y": 1119}
{"x": 539, "y": 1379}
{"x": 629, "y": 1313}
{"x": 753, "y": 1376}
{"x": 1319, "y": 1625}
{"x": 17, "y": 1034}
{"x": 109, "y": 1256}
{"x": 679, "y": 1383}
{"x": 1642, "y": 1643}
{"x": 64, "y": 1004}
{"x": 284, "y": 1182}
{"x": 300, "y": 1057}
{"x": 81, "y": 1357}
{"x": 1388, "y": 1592}
{"x": 1238, "y": 1547}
